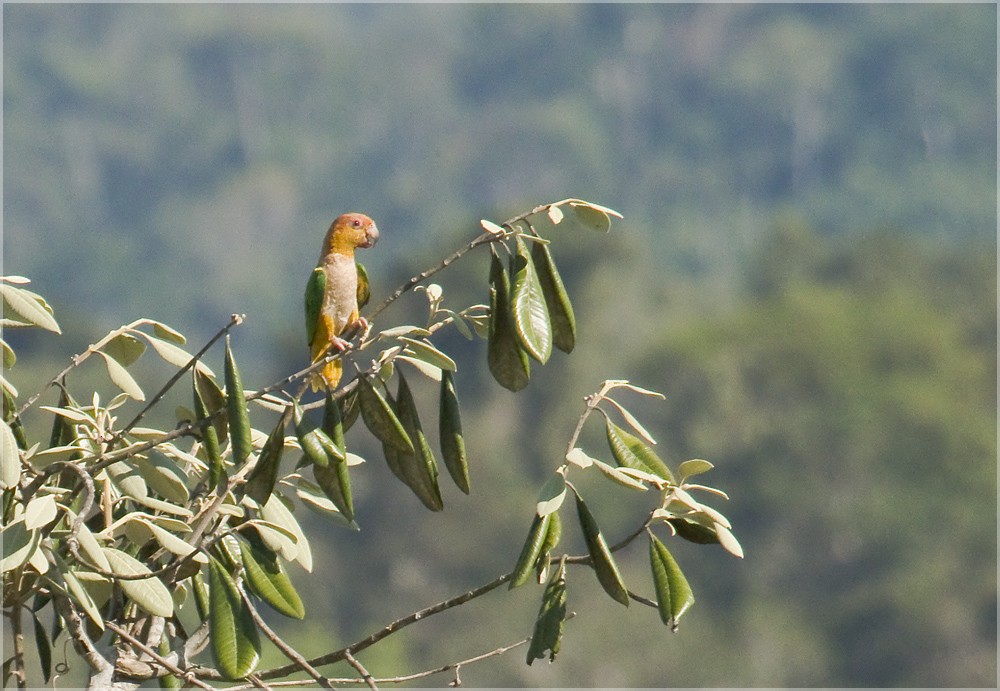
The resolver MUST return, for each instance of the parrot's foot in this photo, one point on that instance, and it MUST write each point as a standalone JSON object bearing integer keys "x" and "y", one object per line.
{"x": 339, "y": 344}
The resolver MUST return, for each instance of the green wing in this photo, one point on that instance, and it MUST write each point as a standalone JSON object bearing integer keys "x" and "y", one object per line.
{"x": 364, "y": 292}
{"x": 315, "y": 290}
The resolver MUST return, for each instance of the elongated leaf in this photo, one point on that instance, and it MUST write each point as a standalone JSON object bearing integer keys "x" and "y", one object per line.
{"x": 695, "y": 466}
{"x": 234, "y": 638}
{"x": 167, "y": 333}
{"x": 556, "y": 298}
{"x": 531, "y": 316}
{"x": 18, "y": 544}
{"x": 728, "y": 540}
{"x": 591, "y": 216}
{"x": 209, "y": 439}
{"x": 548, "y": 631}
{"x": 380, "y": 418}
{"x": 507, "y": 360}
{"x": 236, "y": 407}
{"x": 40, "y": 511}
{"x": 10, "y": 463}
{"x": 673, "y": 594}
{"x": 600, "y": 555}
{"x": 44, "y": 648}
{"x": 215, "y": 402}
{"x": 552, "y": 537}
{"x": 531, "y": 550}
{"x": 631, "y": 420}
{"x": 174, "y": 354}
{"x": 335, "y": 481}
{"x": 268, "y": 580}
{"x": 62, "y": 431}
{"x": 163, "y": 477}
{"x": 426, "y": 351}
{"x": 14, "y": 422}
{"x": 450, "y": 428}
{"x": 121, "y": 378}
{"x": 632, "y": 452}
{"x": 261, "y": 480}
{"x": 693, "y": 532}
{"x": 125, "y": 348}
{"x": 79, "y": 593}
{"x": 29, "y": 306}
{"x": 552, "y": 494}
{"x": 319, "y": 449}
{"x": 616, "y": 475}
{"x": 149, "y": 593}
{"x": 276, "y": 512}
{"x": 420, "y": 468}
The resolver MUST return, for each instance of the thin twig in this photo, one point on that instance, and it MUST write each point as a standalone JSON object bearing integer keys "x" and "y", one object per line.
{"x": 414, "y": 281}
{"x": 234, "y": 320}
{"x": 388, "y": 630}
{"x": 287, "y": 650}
{"x": 353, "y": 662}
{"x": 156, "y": 657}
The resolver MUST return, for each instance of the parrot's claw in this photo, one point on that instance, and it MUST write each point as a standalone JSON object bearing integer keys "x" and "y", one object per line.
{"x": 339, "y": 344}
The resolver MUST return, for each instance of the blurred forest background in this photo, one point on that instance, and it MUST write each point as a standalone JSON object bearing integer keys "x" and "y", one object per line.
{"x": 807, "y": 269}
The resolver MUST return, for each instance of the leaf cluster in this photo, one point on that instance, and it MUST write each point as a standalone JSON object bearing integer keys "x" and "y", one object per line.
{"x": 182, "y": 534}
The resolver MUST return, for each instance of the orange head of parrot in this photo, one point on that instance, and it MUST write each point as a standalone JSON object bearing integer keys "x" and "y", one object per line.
{"x": 348, "y": 232}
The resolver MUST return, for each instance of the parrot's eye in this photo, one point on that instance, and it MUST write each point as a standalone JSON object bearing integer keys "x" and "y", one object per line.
{"x": 356, "y": 223}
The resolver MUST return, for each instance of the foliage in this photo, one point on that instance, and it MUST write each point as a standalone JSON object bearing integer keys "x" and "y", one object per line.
{"x": 146, "y": 546}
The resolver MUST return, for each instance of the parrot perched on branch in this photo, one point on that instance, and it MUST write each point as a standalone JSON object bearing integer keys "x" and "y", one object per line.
{"x": 337, "y": 289}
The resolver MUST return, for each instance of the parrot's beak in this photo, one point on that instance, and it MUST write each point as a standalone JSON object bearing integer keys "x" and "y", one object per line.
{"x": 371, "y": 236}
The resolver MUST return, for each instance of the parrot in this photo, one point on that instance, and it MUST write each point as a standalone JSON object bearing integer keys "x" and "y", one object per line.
{"x": 336, "y": 290}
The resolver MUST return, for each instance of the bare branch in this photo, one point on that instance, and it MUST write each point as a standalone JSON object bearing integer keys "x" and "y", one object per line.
{"x": 187, "y": 677}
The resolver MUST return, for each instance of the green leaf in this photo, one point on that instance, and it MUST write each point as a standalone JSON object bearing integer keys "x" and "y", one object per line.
{"x": 31, "y": 307}
{"x": 693, "y": 532}
{"x": 10, "y": 462}
{"x": 552, "y": 494}
{"x": 163, "y": 477}
{"x": 62, "y": 431}
{"x": 600, "y": 555}
{"x": 531, "y": 550}
{"x": 420, "y": 468}
{"x": 380, "y": 418}
{"x": 236, "y": 406}
{"x": 173, "y": 354}
{"x": 125, "y": 348}
{"x": 268, "y": 580}
{"x": 261, "y": 480}
{"x": 335, "y": 481}
{"x": 167, "y": 333}
{"x": 528, "y": 306}
{"x": 632, "y": 452}
{"x": 79, "y": 593}
{"x": 9, "y": 357}
{"x": 695, "y": 466}
{"x": 43, "y": 647}
{"x": 450, "y": 428}
{"x": 548, "y": 631}
{"x": 18, "y": 543}
{"x": 425, "y": 351}
{"x": 149, "y": 593}
{"x": 16, "y": 428}
{"x": 209, "y": 438}
{"x": 274, "y": 511}
{"x": 556, "y": 298}
{"x": 234, "y": 638}
{"x": 121, "y": 378}
{"x": 315, "y": 443}
{"x": 673, "y": 594}
{"x": 215, "y": 401}
{"x": 507, "y": 360}
{"x": 623, "y": 479}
